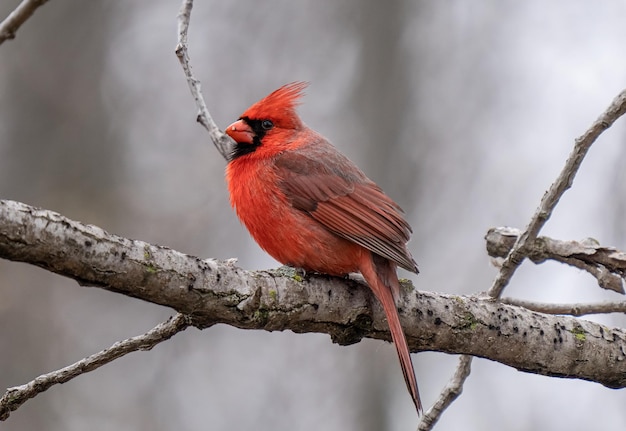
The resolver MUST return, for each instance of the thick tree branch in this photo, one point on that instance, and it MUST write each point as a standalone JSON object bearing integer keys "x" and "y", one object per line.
{"x": 15, "y": 397}
{"x": 215, "y": 292}
{"x": 10, "y": 25}
{"x": 553, "y": 195}
{"x": 606, "y": 264}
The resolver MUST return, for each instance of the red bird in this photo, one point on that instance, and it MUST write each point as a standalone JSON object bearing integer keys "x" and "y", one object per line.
{"x": 310, "y": 207}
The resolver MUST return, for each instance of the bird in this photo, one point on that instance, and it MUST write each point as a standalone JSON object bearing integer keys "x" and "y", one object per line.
{"x": 310, "y": 207}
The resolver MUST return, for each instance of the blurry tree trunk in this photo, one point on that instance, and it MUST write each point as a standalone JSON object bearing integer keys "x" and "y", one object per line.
{"x": 380, "y": 112}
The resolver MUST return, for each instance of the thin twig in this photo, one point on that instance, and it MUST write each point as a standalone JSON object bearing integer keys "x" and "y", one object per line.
{"x": 222, "y": 142}
{"x": 569, "y": 309}
{"x": 451, "y": 392}
{"x": 605, "y": 278}
{"x": 16, "y": 396}
{"x": 553, "y": 195}
{"x": 10, "y": 25}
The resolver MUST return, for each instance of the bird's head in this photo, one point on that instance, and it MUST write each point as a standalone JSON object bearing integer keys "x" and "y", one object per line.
{"x": 268, "y": 126}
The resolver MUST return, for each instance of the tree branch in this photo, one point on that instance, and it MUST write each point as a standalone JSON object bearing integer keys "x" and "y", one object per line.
{"x": 570, "y": 309}
{"x": 448, "y": 395}
{"x": 222, "y": 142}
{"x": 606, "y": 264}
{"x": 518, "y": 250}
{"x": 10, "y": 25}
{"x": 17, "y": 396}
{"x": 216, "y": 292}
{"x": 553, "y": 195}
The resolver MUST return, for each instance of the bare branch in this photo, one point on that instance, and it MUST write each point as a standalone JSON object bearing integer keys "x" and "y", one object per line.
{"x": 570, "y": 309}
{"x": 553, "y": 195}
{"x": 222, "y": 142}
{"x": 451, "y": 392}
{"x": 518, "y": 250}
{"x": 10, "y": 25}
{"x": 17, "y": 396}
{"x": 606, "y": 264}
{"x": 215, "y": 292}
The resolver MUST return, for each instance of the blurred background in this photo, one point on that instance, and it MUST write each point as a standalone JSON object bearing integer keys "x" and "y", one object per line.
{"x": 464, "y": 112}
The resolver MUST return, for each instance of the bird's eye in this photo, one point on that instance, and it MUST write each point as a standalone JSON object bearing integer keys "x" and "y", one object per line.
{"x": 267, "y": 124}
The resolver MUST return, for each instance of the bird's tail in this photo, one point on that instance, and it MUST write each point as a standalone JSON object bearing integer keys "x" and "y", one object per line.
{"x": 382, "y": 278}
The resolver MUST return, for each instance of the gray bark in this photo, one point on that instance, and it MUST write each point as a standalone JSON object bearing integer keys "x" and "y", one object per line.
{"x": 211, "y": 291}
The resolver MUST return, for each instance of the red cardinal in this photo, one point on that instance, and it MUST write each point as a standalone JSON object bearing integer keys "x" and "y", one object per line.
{"x": 310, "y": 207}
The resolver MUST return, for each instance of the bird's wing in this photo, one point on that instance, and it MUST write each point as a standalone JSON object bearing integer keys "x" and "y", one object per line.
{"x": 333, "y": 191}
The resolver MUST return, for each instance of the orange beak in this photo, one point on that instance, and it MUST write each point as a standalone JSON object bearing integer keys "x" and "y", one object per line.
{"x": 241, "y": 132}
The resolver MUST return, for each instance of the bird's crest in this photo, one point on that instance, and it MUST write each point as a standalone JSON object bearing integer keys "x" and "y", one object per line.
{"x": 279, "y": 106}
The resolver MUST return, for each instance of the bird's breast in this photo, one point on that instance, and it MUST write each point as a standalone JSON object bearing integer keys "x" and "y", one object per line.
{"x": 289, "y": 235}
